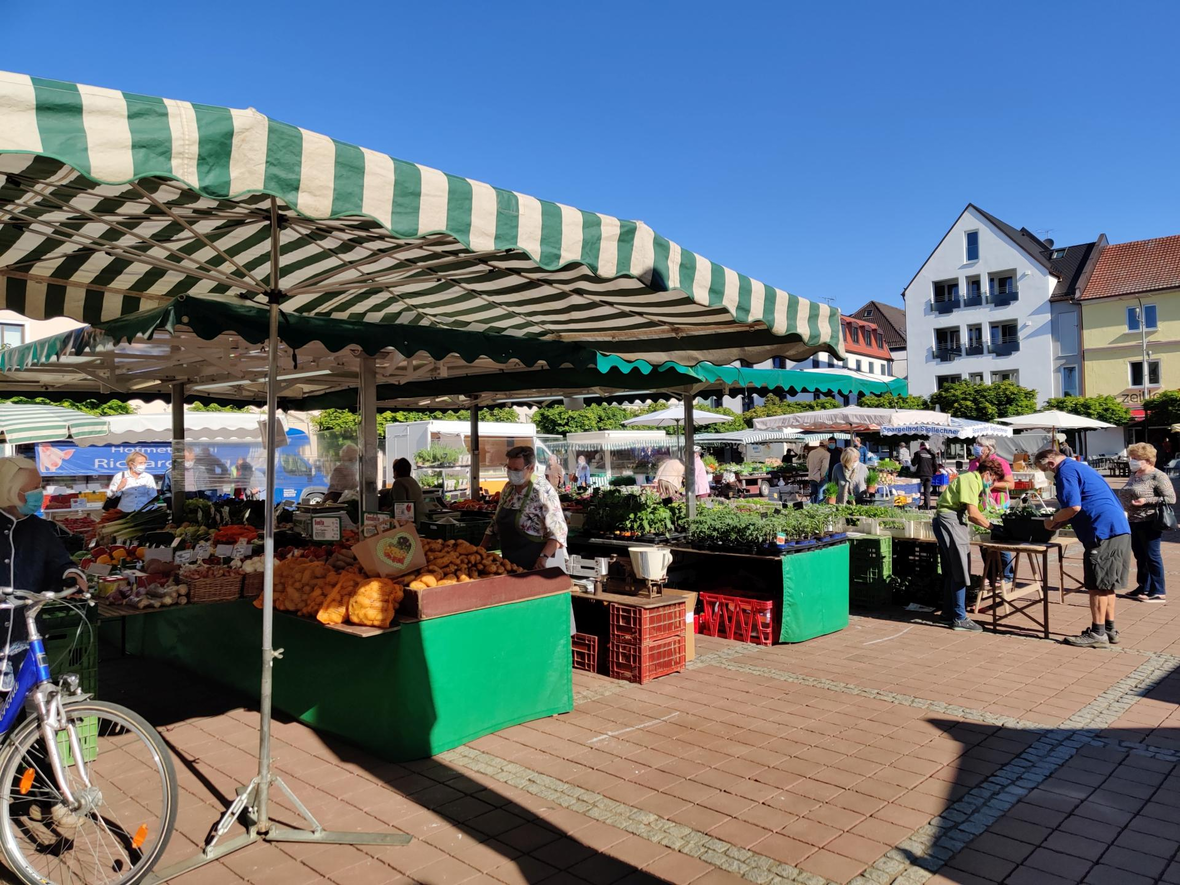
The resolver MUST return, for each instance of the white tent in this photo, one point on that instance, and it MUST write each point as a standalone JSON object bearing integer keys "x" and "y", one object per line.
{"x": 673, "y": 416}
{"x": 852, "y": 419}
{"x": 198, "y": 427}
{"x": 1055, "y": 420}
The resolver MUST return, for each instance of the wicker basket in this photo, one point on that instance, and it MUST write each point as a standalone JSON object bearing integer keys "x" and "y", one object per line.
{"x": 252, "y": 585}
{"x": 215, "y": 589}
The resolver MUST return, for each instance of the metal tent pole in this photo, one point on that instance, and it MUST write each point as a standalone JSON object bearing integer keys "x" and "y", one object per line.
{"x": 368, "y": 439}
{"x": 690, "y": 462}
{"x": 473, "y": 471}
{"x": 178, "y": 489}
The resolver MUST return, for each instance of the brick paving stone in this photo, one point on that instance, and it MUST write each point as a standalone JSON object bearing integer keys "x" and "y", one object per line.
{"x": 1134, "y": 861}
{"x": 784, "y": 849}
{"x": 1106, "y": 875}
{"x": 812, "y": 832}
{"x": 832, "y": 866}
{"x": 1075, "y": 846}
{"x": 857, "y": 847}
{"x": 1149, "y": 844}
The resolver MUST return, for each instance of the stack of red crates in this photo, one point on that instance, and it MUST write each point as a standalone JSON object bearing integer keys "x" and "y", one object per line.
{"x": 735, "y": 617}
{"x": 646, "y": 643}
{"x": 585, "y": 648}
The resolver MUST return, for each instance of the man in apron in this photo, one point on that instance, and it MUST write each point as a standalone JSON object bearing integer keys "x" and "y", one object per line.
{"x": 958, "y": 504}
{"x": 528, "y": 524}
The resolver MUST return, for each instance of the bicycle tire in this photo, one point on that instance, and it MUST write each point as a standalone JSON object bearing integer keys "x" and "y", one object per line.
{"x": 18, "y": 758}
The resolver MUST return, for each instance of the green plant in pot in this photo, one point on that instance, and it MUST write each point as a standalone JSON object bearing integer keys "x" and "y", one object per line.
{"x": 871, "y": 479}
{"x": 831, "y": 490}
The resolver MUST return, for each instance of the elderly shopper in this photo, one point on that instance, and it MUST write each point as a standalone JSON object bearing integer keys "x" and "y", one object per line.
{"x": 1146, "y": 494}
{"x": 345, "y": 475}
{"x": 134, "y": 487}
{"x": 1086, "y": 501}
{"x": 850, "y": 476}
{"x": 817, "y": 470}
{"x": 985, "y": 447}
{"x": 959, "y": 504}
{"x": 529, "y": 525}
{"x": 32, "y": 556}
{"x": 670, "y": 478}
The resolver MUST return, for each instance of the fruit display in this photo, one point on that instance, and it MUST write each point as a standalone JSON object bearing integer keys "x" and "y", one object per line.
{"x": 231, "y": 534}
{"x": 455, "y": 562}
{"x": 485, "y": 505}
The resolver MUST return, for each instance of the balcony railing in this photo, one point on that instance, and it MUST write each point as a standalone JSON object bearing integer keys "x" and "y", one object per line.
{"x": 946, "y": 353}
{"x": 1004, "y": 297}
{"x": 973, "y": 349}
{"x": 973, "y": 299}
{"x": 946, "y": 305}
{"x": 1004, "y": 346}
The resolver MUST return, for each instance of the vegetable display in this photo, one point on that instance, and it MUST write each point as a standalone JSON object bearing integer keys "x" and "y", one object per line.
{"x": 456, "y": 562}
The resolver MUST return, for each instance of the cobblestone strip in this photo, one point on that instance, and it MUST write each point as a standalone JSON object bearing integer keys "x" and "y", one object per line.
{"x": 724, "y": 855}
{"x": 891, "y": 697}
{"x": 920, "y": 856}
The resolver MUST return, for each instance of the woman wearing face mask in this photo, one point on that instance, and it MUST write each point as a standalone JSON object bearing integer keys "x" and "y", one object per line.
{"x": 32, "y": 557}
{"x": 1145, "y": 494}
{"x": 985, "y": 447}
{"x": 529, "y": 524}
{"x": 134, "y": 487}
{"x": 583, "y": 471}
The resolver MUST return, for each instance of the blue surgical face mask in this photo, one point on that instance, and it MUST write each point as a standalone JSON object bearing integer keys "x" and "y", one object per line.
{"x": 831, "y": 446}
{"x": 977, "y": 450}
{"x": 33, "y": 502}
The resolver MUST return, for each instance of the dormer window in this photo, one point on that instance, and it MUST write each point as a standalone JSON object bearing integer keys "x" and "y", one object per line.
{"x": 1058, "y": 253}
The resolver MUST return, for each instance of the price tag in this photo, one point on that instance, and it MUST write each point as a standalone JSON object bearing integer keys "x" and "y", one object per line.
{"x": 326, "y": 528}
{"x": 164, "y": 554}
{"x": 176, "y": 541}
{"x": 375, "y": 523}
{"x": 242, "y": 549}
{"x": 201, "y": 551}
{"x": 403, "y": 512}
{"x": 99, "y": 570}
{"x": 183, "y": 557}
{"x": 225, "y": 549}
{"x": 79, "y": 504}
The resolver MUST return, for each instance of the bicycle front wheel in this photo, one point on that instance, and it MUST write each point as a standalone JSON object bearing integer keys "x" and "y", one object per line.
{"x": 128, "y": 808}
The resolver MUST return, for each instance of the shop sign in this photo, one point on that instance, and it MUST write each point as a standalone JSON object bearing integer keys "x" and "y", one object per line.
{"x": 326, "y": 528}
{"x": 403, "y": 512}
{"x": 1133, "y": 396}
{"x": 375, "y": 523}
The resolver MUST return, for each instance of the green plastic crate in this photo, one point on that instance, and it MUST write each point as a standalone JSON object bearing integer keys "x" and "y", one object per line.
{"x": 870, "y": 594}
{"x": 68, "y": 649}
{"x": 87, "y": 735}
{"x": 870, "y": 560}
{"x": 471, "y": 530}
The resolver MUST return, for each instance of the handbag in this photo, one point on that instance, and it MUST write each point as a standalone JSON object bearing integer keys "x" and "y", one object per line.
{"x": 1165, "y": 518}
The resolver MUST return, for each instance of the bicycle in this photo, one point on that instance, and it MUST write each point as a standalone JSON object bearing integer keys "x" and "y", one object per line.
{"x": 88, "y": 793}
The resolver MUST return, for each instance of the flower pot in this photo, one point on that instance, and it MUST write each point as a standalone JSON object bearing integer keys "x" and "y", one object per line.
{"x": 829, "y": 500}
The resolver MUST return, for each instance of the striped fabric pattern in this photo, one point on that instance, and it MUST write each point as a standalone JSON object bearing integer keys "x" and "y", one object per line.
{"x": 113, "y": 202}
{"x": 30, "y": 424}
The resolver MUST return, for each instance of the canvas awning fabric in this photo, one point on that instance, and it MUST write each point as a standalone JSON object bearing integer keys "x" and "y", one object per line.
{"x": 116, "y": 203}
{"x": 1054, "y": 419}
{"x": 852, "y": 419}
{"x": 198, "y": 427}
{"x": 957, "y": 429}
{"x": 746, "y": 437}
{"x": 33, "y": 423}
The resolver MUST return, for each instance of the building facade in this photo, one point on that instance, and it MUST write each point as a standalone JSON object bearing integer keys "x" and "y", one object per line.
{"x": 1130, "y": 310}
{"x": 980, "y": 307}
{"x": 890, "y": 321}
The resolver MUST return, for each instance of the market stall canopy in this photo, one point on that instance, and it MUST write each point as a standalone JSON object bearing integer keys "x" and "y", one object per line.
{"x": 958, "y": 428}
{"x": 673, "y": 416}
{"x": 852, "y": 419}
{"x": 117, "y": 203}
{"x": 198, "y": 427}
{"x": 1054, "y": 419}
{"x": 33, "y": 423}
{"x": 747, "y": 437}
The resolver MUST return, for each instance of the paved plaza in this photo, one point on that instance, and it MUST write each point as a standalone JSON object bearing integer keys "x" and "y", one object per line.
{"x": 894, "y": 751}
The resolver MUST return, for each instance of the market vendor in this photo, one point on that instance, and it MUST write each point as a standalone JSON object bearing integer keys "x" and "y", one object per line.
{"x": 32, "y": 556}
{"x": 959, "y": 504}
{"x": 134, "y": 487}
{"x": 406, "y": 489}
{"x": 529, "y": 526}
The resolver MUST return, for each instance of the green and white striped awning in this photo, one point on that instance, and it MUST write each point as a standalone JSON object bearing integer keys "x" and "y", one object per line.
{"x": 30, "y": 424}
{"x": 113, "y": 203}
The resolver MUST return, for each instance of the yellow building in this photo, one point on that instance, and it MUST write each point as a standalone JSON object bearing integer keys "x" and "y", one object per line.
{"x": 1131, "y": 310}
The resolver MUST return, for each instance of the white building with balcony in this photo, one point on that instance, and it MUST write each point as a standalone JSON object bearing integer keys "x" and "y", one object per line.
{"x": 979, "y": 307}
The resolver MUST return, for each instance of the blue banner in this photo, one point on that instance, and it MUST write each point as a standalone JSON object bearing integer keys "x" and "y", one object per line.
{"x": 70, "y": 459}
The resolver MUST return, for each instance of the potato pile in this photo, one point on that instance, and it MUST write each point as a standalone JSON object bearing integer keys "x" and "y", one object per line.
{"x": 313, "y": 589}
{"x": 455, "y": 562}
{"x": 374, "y": 603}
{"x": 297, "y": 581}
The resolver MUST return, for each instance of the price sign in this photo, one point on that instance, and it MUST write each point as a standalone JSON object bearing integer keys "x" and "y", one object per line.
{"x": 225, "y": 549}
{"x": 376, "y": 523}
{"x": 201, "y": 552}
{"x": 183, "y": 557}
{"x": 242, "y": 549}
{"x": 79, "y": 504}
{"x": 403, "y": 512}
{"x": 164, "y": 554}
{"x": 99, "y": 570}
{"x": 326, "y": 528}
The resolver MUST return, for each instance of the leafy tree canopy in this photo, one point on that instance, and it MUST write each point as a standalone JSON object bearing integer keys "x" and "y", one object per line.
{"x": 345, "y": 422}
{"x": 216, "y": 407}
{"x": 1163, "y": 409}
{"x": 892, "y": 401}
{"x": 985, "y": 402}
{"x": 1101, "y": 408}
{"x": 89, "y": 406}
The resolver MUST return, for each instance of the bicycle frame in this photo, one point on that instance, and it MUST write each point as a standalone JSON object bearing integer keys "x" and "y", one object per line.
{"x": 35, "y": 690}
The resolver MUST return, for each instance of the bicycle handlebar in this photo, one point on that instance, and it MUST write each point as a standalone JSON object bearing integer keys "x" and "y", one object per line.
{"x": 26, "y": 596}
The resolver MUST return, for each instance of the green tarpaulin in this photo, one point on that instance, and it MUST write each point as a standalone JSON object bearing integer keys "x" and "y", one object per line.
{"x": 815, "y": 593}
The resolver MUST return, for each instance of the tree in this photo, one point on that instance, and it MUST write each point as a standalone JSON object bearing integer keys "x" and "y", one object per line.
{"x": 558, "y": 419}
{"x": 1101, "y": 408}
{"x": 984, "y": 402}
{"x": 893, "y": 401}
{"x": 89, "y": 406}
{"x": 216, "y": 407}
{"x": 1163, "y": 409}
{"x": 345, "y": 422}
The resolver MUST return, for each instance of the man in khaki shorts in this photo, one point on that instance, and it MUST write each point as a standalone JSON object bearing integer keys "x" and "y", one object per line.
{"x": 1089, "y": 503}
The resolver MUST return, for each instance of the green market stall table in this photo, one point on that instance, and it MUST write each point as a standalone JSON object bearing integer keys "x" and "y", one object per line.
{"x": 464, "y": 668}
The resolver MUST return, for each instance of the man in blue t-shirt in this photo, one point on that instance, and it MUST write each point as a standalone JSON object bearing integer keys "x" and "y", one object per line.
{"x": 1090, "y": 504}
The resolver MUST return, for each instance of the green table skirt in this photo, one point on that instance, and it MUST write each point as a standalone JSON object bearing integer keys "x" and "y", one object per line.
{"x": 815, "y": 593}
{"x": 409, "y": 694}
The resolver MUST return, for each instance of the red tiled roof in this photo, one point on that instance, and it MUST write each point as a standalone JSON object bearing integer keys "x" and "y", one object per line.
{"x": 1138, "y": 266}
{"x": 867, "y": 333}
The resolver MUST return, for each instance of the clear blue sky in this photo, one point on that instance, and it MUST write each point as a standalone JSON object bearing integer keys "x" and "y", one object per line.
{"x": 820, "y": 147}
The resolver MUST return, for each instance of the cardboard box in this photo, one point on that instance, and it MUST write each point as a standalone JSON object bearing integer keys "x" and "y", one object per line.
{"x": 452, "y": 599}
{"x": 690, "y": 627}
{"x": 391, "y": 554}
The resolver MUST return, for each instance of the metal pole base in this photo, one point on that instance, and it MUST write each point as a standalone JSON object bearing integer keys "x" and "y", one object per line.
{"x": 243, "y": 807}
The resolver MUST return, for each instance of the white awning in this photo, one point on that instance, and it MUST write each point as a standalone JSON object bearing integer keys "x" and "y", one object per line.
{"x": 198, "y": 427}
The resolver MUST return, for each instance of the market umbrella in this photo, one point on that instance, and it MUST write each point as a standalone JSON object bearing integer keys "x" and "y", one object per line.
{"x": 35, "y": 423}
{"x": 673, "y": 416}
{"x": 1054, "y": 420}
{"x": 852, "y": 419}
{"x": 115, "y": 204}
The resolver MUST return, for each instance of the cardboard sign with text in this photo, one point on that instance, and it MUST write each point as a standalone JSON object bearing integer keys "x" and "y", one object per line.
{"x": 391, "y": 554}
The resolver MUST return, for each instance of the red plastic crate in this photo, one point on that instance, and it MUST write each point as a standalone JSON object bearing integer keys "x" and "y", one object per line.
{"x": 734, "y": 617}
{"x": 643, "y": 663}
{"x": 585, "y": 646}
{"x": 630, "y": 623}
